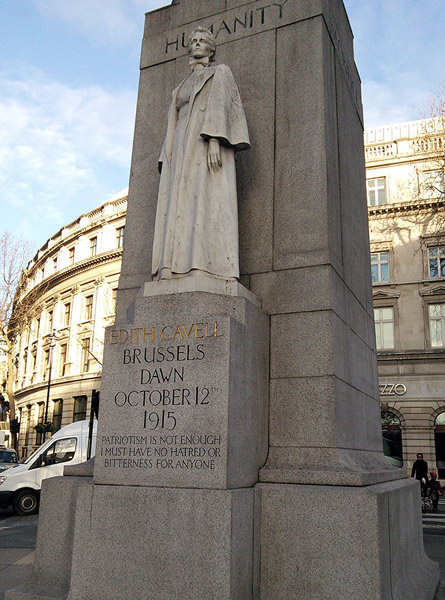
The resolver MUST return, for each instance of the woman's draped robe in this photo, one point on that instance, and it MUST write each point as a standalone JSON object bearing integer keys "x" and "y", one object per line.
{"x": 197, "y": 218}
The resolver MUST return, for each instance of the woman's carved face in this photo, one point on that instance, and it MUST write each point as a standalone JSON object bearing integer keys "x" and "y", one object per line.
{"x": 199, "y": 46}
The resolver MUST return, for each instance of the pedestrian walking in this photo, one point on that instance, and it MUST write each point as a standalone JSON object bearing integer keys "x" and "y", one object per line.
{"x": 420, "y": 472}
{"x": 434, "y": 490}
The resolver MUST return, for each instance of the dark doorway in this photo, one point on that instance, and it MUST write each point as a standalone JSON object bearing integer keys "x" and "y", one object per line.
{"x": 439, "y": 439}
{"x": 392, "y": 438}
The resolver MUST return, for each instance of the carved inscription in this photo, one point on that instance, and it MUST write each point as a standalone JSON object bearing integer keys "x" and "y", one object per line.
{"x": 232, "y": 24}
{"x": 163, "y": 451}
{"x": 167, "y": 392}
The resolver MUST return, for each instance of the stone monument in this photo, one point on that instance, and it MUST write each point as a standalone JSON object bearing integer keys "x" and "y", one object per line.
{"x": 239, "y": 452}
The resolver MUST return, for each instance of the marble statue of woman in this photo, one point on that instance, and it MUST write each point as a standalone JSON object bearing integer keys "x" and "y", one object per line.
{"x": 196, "y": 229}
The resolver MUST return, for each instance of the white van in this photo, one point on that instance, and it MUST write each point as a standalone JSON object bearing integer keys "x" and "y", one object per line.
{"x": 20, "y": 485}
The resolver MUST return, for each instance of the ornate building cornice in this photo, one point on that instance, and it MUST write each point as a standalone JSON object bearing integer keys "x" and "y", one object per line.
{"x": 406, "y": 207}
{"x": 68, "y": 272}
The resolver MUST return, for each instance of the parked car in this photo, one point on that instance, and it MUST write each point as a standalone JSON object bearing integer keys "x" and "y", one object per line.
{"x": 20, "y": 486}
{"x": 8, "y": 458}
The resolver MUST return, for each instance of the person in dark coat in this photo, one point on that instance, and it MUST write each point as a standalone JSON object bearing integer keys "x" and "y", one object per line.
{"x": 434, "y": 490}
{"x": 420, "y": 471}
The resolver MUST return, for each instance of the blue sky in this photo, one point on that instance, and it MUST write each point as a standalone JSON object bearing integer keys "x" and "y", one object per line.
{"x": 68, "y": 85}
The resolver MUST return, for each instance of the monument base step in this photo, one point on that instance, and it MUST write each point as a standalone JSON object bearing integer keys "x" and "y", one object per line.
{"x": 28, "y": 592}
{"x": 141, "y": 543}
{"x": 280, "y": 541}
{"x": 330, "y": 542}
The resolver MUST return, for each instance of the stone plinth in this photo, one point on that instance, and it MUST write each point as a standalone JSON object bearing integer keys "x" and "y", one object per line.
{"x": 184, "y": 398}
{"x": 365, "y": 538}
{"x": 166, "y": 544}
{"x": 54, "y": 549}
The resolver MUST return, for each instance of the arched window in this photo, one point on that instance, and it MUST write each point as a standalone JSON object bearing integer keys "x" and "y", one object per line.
{"x": 439, "y": 438}
{"x": 392, "y": 438}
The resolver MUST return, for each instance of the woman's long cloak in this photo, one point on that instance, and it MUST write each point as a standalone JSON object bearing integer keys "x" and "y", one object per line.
{"x": 197, "y": 218}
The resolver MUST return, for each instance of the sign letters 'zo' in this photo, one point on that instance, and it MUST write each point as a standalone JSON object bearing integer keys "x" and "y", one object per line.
{"x": 169, "y": 404}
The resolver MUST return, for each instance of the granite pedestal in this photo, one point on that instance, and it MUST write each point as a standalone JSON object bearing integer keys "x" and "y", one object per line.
{"x": 331, "y": 518}
{"x": 185, "y": 392}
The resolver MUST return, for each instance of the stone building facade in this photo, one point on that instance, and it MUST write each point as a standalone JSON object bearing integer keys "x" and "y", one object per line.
{"x": 406, "y": 203}
{"x": 73, "y": 281}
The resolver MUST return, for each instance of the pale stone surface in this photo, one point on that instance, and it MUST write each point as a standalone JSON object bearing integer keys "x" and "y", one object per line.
{"x": 163, "y": 544}
{"x": 327, "y": 466}
{"x": 301, "y": 220}
{"x": 53, "y": 556}
{"x": 85, "y": 469}
{"x": 300, "y": 290}
{"x": 255, "y": 177}
{"x": 187, "y": 406}
{"x": 355, "y": 233}
{"x": 236, "y": 19}
{"x": 210, "y": 285}
{"x": 369, "y": 541}
{"x": 324, "y": 401}
{"x": 306, "y": 344}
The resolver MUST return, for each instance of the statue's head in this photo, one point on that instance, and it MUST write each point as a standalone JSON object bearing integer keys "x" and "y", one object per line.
{"x": 202, "y": 43}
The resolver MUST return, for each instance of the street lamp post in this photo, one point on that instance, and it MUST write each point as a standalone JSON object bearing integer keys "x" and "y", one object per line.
{"x": 52, "y": 338}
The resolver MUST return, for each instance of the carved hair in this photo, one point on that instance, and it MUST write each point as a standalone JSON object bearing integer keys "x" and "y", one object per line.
{"x": 208, "y": 36}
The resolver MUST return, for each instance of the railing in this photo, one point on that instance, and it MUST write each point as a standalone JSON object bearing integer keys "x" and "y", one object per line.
{"x": 429, "y": 144}
{"x": 380, "y": 151}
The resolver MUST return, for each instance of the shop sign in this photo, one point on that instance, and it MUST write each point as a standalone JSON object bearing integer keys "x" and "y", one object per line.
{"x": 392, "y": 389}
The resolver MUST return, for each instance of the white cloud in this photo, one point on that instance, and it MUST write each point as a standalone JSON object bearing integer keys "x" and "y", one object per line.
{"x": 59, "y": 145}
{"x": 108, "y": 21}
{"x": 404, "y": 98}
{"x": 385, "y": 104}
{"x": 399, "y": 50}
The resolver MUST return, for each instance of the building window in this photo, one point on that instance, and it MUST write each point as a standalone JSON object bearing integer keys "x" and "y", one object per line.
{"x": 85, "y": 356}
{"x": 62, "y": 360}
{"x": 376, "y": 191}
{"x": 21, "y": 425}
{"x": 384, "y": 327}
{"x": 66, "y": 314}
{"x": 436, "y": 313}
{"x": 39, "y": 436}
{"x": 93, "y": 246}
{"x": 436, "y": 261}
{"x": 25, "y": 362}
{"x": 57, "y": 414}
{"x": 380, "y": 267}
{"x": 80, "y": 408}
{"x": 17, "y": 363}
{"x": 50, "y": 321}
{"x": 28, "y": 424}
{"x": 120, "y": 232}
{"x": 33, "y": 362}
{"x": 71, "y": 255}
{"x": 88, "y": 307}
{"x": 45, "y": 364}
{"x": 433, "y": 184}
{"x": 55, "y": 264}
{"x": 37, "y": 328}
{"x": 113, "y": 300}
